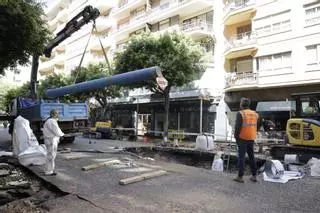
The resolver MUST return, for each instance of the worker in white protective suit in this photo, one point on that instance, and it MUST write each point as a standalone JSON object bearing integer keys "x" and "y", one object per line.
{"x": 52, "y": 134}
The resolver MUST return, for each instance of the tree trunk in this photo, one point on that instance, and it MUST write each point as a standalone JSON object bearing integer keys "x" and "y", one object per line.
{"x": 166, "y": 112}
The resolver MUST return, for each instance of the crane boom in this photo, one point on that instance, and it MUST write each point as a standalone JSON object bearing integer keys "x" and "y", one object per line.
{"x": 84, "y": 17}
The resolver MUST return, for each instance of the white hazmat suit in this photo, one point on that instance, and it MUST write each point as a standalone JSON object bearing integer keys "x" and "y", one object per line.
{"x": 52, "y": 134}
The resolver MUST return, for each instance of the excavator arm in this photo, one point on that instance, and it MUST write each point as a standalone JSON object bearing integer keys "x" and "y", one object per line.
{"x": 84, "y": 17}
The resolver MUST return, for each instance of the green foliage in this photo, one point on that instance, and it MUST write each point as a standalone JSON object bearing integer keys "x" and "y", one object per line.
{"x": 23, "y": 32}
{"x": 177, "y": 55}
{"x": 13, "y": 93}
{"x": 96, "y": 71}
{"x": 56, "y": 81}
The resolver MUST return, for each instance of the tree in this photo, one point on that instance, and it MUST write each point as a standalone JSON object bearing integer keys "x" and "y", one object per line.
{"x": 91, "y": 72}
{"x": 23, "y": 32}
{"x": 5, "y": 86}
{"x": 13, "y": 93}
{"x": 56, "y": 81}
{"x": 177, "y": 55}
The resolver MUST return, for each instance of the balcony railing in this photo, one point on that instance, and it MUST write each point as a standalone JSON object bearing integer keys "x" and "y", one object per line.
{"x": 123, "y": 26}
{"x": 137, "y": 18}
{"x": 241, "y": 79}
{"x": 233, "y": 5}
{"x": 164, "y": 5}
{"x": 241, "y": 39}
{"x": 199, "y": 25}
{"x": 313, "y": 19}
{"x": 123, "y": 4}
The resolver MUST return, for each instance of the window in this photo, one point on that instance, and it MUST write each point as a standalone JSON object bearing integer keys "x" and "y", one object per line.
{"x": 312, "y": 55}
{"x": 164, "y": 24}
{"x": 274, "y": 62}
{"x": 273, "y": 24}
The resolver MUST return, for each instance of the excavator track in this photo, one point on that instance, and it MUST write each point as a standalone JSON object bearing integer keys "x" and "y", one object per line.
{"x": 304, "y": 153}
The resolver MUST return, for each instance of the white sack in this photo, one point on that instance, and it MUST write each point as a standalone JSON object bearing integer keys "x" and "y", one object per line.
{"x": 25, "y": 144}
{"x": 217, "y": 164}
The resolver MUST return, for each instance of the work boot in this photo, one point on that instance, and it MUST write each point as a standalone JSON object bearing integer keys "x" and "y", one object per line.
{"x": 253, "y": 179}
{"x": 238, "y": 179}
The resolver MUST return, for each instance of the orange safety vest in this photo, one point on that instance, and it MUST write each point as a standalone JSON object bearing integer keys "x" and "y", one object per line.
{"x": 248, "y": 129}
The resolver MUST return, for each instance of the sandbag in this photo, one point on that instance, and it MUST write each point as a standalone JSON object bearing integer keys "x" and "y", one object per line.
{"x": 217, "y": 164}
{"x": 314, "y": 164}
{"x": 204, "y": 143}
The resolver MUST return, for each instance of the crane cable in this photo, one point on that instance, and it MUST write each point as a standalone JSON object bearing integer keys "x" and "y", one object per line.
{"x": 94, "y": 28}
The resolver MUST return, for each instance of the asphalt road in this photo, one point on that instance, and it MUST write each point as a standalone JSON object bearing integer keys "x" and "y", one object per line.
{"x": 183, "y": 189}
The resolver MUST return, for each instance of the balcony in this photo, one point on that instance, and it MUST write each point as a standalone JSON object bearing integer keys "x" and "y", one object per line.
{"x": 63, "y": 15}
{"x": 46, "y": 66}
{"x": 95, "y": 44}
{"x": 242, "y": 44}
{"x": 313, "y": 19}
{"x": 124, "y": 8}
{"x": 103, "y": 23}
{"x": 237, "y": 11}
{"x": 55, "y": 6}
{"x": 243, "y": 79}
{"x": 169, "y": 8}
{"x": 59, "y": 60}
{"x": 103, "y": 5}
{"x": 137, "y": 18}
{"x": 197, "y": 28}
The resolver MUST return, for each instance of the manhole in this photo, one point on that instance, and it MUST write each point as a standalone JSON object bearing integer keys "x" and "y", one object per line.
{"x": 188, "y": 157}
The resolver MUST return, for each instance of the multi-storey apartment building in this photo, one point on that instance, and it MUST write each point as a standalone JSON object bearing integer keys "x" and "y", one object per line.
{"x": 263, "y": 49}
{"x": 120, "y": 20}
{"x": 271, "y": 51}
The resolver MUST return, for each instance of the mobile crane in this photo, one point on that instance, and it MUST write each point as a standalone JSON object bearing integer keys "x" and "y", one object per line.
{"x": 73, "y": 117}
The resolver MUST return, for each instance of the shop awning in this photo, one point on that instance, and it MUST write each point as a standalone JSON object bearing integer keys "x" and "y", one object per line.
{"x": 273, "y": 106}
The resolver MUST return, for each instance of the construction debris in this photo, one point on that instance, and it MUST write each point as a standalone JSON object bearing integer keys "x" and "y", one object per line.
{"x": 145, "y": 176}
{"x": 4, "y": 172}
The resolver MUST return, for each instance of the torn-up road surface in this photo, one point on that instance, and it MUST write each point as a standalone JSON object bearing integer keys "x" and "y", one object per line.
{"x": 94, "y": 179}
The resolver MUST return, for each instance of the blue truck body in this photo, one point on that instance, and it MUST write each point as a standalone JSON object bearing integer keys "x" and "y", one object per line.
{"x": 67, "y": 112}
{"x": 73, "y": 118}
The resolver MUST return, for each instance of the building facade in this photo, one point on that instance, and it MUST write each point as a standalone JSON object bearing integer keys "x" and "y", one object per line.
{"x": 263, "y": 49}
{"x": 271, "y": 51}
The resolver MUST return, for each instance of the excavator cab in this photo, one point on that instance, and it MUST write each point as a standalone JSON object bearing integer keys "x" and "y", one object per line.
{"x": 304, "y": 128}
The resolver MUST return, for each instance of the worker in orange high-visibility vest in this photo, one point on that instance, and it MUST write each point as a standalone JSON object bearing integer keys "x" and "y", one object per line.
{"x": 245, "y": 135}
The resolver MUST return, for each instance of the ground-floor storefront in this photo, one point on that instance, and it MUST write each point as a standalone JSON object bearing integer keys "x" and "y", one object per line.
{"x": 185, "y": 115}
{"x": 273, "y": 104}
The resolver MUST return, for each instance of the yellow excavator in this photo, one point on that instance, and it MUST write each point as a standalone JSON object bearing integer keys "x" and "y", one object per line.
{"x": 303, "y": 129}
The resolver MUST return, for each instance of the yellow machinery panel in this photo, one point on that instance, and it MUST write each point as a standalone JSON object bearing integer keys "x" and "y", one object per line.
{"x": 106, "y": 124}
{"x": 304, "y": 132}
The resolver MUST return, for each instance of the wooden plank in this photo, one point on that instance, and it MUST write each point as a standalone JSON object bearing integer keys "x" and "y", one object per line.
{"x": 73, "y": 157}
{"x": 100, "y": 165}
{"x": 148, "y": 165}
{"x": 66, "y": 150}
{"x": 145, "y": 176}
